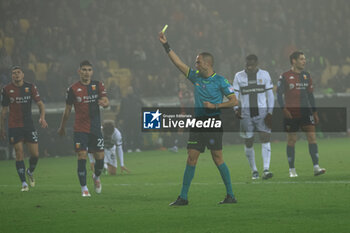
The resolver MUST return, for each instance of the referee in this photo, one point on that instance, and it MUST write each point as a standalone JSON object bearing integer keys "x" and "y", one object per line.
{"x": 209, "y": 90}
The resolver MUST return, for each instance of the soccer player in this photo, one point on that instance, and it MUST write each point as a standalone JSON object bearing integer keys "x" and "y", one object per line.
{"x": 113, "y": 145}
{"x": 253, "y": 86}
{"x": 209, "y": 89}
{"x": 86, "y": 95}
{"x": 17, "y": 100}
{"x": 299, "y": 109}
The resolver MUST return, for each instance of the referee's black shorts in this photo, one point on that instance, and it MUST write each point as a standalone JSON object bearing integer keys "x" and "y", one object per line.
{"x": 205, "y": 137}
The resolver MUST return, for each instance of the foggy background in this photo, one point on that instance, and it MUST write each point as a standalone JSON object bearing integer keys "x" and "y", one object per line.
{"x": 50, "y": 38}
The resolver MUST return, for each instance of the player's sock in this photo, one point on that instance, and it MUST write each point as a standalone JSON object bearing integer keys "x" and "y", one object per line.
{"x": 313, "y": 150}
{"x": 32, "y": 163}
{"x": 82, "y": 171}
{"x": 99, "y": 167}
{"x": 21, "y": 170}
{"x": 291, "y": 156}
{"x": 266, "y": 154}
{"x": 225, "y": 175}
{"x": 250, "y": 153}
{"x": 188, "y": 176}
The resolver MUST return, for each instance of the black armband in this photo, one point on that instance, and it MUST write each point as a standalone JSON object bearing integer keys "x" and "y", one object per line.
{"x": 167, "y": 47}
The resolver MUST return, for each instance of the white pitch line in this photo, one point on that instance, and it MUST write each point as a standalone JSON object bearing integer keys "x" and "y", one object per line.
{"x": 195, "y": 183}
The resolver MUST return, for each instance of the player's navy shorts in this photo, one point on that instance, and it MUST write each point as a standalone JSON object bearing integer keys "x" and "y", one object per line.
{"x": 21, "y": 134}
{"x": 294, "y": 124}
{"x": 87, "y": 141}
{"x": 203, "y": 137}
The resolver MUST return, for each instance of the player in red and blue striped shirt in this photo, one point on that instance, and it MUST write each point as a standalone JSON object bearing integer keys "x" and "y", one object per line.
{"x": 17, "y": 101}
{"x": 87, "y": 96}
{"x": 295, "y": 96}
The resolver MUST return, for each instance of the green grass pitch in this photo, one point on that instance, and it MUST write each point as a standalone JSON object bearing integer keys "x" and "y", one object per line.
{"x": 138, "y": 202}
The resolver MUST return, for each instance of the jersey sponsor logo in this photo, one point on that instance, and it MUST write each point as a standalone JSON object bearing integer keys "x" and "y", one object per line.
{"x": 26, "y": 89}
{"x": 87, "y": 99}
{"x": 301, "y": 86}
{"x": 20, "y": 99}
{"x": 260, "y": 81}
{"x": 291, "y": 77}
{"x": 252, "y": 89}
{"x": 90, "y": 98}
{"x": 79, "y": 89}
{"x": 12, "y": 91}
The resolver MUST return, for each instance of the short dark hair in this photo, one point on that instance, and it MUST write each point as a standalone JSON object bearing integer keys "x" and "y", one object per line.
{"x": 208, "y": 57}
{"x": 85, "y": 63}
{"x": 16, "y": 68}
{"x": 295, "y": 55}
{"x": 252, "y": 57}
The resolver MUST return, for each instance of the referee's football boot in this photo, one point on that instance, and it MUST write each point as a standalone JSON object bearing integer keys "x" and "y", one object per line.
{"x": 267, "y": 175}
{"x": 255, "y": 175}
{"x": 30, "y": 178}
{"x": 179, "y": 202}
{"x": 319, "y": 171}
{"x": 228, "y": 200}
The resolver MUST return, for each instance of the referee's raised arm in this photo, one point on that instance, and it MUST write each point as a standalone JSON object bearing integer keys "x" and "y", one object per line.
{"x": 172, "y": 55}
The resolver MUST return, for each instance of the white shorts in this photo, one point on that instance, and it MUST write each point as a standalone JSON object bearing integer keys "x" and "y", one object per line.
{"x": 249, "y": 125}
{"x": 110, "y": 157}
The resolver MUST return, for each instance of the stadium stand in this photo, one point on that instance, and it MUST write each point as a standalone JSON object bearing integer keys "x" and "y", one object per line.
{"x": 125, "y": 49}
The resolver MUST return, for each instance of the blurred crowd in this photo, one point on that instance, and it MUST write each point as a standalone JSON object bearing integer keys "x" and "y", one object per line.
{"x": 50, "y": 38}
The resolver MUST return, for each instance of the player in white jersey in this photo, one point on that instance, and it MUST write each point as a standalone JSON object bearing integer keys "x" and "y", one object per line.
{"x": 112, "y": 146}
{"x": 253, "y": 87}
